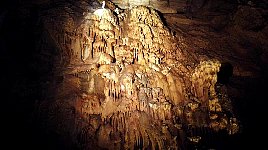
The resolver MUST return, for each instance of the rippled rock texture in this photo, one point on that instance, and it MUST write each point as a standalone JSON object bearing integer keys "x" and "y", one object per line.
{"x": 128, "y": 83}
{"x": 168, "y": 75}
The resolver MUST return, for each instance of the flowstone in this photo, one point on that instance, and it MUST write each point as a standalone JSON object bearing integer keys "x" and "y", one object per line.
{"x": 133, "y": 87}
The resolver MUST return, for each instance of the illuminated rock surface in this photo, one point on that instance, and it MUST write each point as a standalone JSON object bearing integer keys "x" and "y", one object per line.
{"x": 133, "y": 78}
{"x": 132, "y": 85}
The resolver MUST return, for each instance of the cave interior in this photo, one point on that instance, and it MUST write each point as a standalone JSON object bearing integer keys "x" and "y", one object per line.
{"x": 135, "y": 74}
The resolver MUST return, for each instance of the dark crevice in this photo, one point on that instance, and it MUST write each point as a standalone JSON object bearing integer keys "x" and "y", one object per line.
{"x": 226, "y": 71}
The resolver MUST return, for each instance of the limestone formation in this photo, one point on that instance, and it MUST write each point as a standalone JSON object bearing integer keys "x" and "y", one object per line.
{"x": 136, "y": 89}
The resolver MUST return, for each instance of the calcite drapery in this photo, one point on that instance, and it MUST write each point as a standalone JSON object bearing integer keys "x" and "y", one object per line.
{"x": 137, "y": 87}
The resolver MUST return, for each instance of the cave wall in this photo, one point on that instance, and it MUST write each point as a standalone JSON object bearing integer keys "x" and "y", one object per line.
{"x": 42, "y": 48}
{"x": 165, "y": 6}
{"x": 126, "y": 71}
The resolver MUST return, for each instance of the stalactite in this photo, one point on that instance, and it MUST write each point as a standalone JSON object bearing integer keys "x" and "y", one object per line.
{"x": 155, "y": 84}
